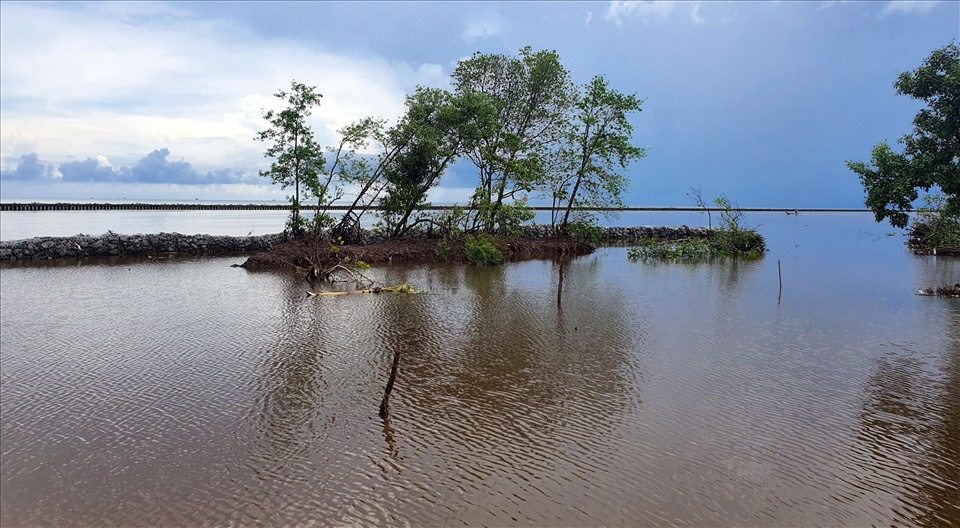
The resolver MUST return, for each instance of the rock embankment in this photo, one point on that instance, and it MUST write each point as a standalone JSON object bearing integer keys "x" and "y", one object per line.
{"x": 115, "y": 244}
{"x": 625, "y": 235}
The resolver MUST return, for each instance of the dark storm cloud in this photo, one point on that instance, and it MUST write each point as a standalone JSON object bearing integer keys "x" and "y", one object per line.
{"x": 87, "y": 171}
{"x": 29, "y": 168}
{"x": 152, "y": 168}
{"x": 156, "y": 168}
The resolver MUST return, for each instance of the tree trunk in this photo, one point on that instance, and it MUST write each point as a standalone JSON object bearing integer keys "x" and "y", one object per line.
{"x": 587, "y": 152}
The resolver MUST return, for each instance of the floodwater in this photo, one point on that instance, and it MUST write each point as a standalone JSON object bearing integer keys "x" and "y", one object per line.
{"x": 187, "y": 392}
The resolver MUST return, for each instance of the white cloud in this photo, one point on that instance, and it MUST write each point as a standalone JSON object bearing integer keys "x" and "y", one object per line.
{"x": 830, "y": 3}
{"x": 433, "y": 75}
{"x": 450, "y": 195}
{"x": 619, "y": 10}
{"x": 911, "y": 7}
{"x": 125, "y": 79}
{"x": 483, "y": 26}
{"x": 695, "y": 14}
{"x": 588, "y": 17}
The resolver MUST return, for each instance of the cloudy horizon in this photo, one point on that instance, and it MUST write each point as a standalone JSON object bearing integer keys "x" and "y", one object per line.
{"x": 761, "y": 101}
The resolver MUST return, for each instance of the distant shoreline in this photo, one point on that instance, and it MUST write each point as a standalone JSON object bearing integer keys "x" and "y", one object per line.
{"x": 142, "y": 206}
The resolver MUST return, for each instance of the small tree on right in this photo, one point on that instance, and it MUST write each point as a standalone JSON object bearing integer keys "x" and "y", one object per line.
{"x": 596, "y": 150}
{"x": 931, "y": 154}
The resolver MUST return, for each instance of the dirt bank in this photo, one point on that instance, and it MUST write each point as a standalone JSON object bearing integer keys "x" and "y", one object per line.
{"x": 301, "y": 253}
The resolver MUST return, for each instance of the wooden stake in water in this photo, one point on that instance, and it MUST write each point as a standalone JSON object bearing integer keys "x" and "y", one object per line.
{"x": 385, "y": 403}
{"x": 780, "y": 279}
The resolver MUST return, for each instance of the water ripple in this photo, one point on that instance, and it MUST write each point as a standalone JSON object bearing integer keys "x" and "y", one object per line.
{"x": 190, "y": 393}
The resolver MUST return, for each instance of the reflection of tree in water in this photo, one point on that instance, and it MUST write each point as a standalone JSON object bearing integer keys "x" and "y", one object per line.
{"x": 405, "y": 328}
{"x": 501, "y": 377}
{"x": 291, "y": 388}
{"x": 910, "y": 423}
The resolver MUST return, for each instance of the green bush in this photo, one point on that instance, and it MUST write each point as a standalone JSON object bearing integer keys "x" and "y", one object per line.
{"x": 932, "y": 228}
{"x": 511, "y": 216}
{"x": 442, "y": 250}
{"x": 723, "y": 242}
{"x": 585, "y": 231}
{"x": 737, "y": 242}
{"x": 481, "y": 250}
{"x": 296, "y": 224}
{"x": 688, "y": 249}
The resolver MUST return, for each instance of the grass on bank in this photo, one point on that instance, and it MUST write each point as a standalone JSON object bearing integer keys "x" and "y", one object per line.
{"x": 721, "y": 243}
{"x": 933, "y": 231}
{"x": 731, "y": 239}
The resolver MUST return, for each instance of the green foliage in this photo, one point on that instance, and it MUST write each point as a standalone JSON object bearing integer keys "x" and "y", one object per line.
{"x": 354, "y": 264}
{"x": 511, "y": 216}
{"x": 737, "y": 242}
{"x": 529, "y": 96}
{"x": 322, "y": 221}
{"x": 688, "y": 249}
{"x": 730, "y": 214}
{"x": 931, "y": 154}
{"x": 518, "y": 119}
{"x": 298, "y": 159}
{"x": 585, "y": 230}
{"x": 934, "y": 227}
{"x": 437, "y": 128}
{"x": 442, "y": 250}
{"x": 596, "y": 149}
{"x": 480, "y": 250}
{"x": 349, "y": 169}
{"x": 723, "y": 243}
{"x": 731, "y": 239}
{"x": 296, "y": 223}
{"x": 451, "y": 221}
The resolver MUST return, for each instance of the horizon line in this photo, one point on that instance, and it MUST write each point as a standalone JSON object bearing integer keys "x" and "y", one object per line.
{"x": 190, "y": 206}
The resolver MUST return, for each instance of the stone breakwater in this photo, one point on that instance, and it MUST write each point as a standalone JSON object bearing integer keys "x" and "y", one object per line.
{"x": 114, "y": 244}
{"x": 625, "y": 235}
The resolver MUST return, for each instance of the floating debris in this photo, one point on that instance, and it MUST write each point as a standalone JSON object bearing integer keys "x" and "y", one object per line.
{"x": 942, "y": 291}
{"x": 400, "y": 288}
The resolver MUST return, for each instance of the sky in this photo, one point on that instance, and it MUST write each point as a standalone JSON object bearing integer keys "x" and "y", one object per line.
{"x": 761, "y": 101}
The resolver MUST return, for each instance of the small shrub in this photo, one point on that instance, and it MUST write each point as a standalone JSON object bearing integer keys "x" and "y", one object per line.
{"x": 511, "y": 216}
{"x": 322, "y": 222}
{"x": 452, "y": 221}
{"x": 723, "y": 243}
{"x": 480, "y": 250}
{"x": 442, "y": 251}
{"x": 737, "y": 242}
{"x": 585, "y": 231}
{"x": 688, "y": 249}
{"x": 295, "y": 225}
{"x": 933, "y": 229}
{"x": 730, "y": 214}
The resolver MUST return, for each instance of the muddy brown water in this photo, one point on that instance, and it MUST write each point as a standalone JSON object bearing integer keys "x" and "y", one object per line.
{"x": 186, "y": 392}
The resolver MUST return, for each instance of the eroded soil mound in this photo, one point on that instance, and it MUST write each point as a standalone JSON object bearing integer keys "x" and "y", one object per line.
{"x": 305, "y": 253}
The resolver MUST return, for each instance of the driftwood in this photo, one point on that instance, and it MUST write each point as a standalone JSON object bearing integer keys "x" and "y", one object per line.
{"x": 400, "y": 288}
{"x": 385, "y": 402}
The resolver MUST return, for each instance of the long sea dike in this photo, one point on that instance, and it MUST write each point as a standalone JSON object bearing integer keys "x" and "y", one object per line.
{"x": 112, "y": 244}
